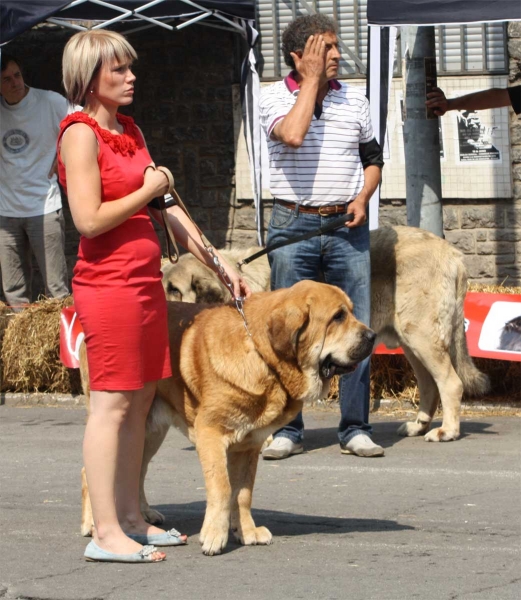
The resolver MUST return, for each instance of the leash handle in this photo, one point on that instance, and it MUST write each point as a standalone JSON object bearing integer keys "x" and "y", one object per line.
{"x": 159, "y": 203}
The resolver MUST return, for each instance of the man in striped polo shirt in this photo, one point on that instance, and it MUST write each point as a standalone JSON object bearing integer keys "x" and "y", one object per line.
{"x": 324, "y": 162}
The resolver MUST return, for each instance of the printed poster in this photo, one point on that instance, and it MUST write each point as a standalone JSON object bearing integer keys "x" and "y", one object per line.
{"x": 476, "y": 133}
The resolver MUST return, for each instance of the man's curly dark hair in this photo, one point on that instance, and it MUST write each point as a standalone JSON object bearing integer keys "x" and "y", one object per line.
{"x": 298, "y": 31}
{"x": 9, "y": 58}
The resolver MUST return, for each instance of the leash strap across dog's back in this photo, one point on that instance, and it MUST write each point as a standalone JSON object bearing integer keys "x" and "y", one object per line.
{"x": 336, "y": 224}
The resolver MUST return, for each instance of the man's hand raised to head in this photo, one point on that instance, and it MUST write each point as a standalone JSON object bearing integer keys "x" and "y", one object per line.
{"x": 311, "y": 63}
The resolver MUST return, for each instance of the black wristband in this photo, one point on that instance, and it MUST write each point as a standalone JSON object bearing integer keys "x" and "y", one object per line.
{"x": 170, "y": 202}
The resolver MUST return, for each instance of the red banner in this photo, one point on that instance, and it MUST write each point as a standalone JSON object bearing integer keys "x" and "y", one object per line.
{"x": 492, "y": 324}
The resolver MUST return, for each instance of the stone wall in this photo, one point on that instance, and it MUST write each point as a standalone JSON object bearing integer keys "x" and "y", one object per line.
{"x": 488, "y": 233}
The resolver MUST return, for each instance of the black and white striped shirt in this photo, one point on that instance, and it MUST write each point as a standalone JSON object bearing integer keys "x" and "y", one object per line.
{"x": 326, "y": 168}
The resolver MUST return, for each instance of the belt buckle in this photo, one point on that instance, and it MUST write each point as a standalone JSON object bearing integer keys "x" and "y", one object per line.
{"x": 323, "y": 214}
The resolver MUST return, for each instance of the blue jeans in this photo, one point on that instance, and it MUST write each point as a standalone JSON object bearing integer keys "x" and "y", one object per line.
{"x": 341, "y": 258}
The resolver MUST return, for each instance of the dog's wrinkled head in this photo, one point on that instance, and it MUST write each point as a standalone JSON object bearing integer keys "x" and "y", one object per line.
{"x": 314, "y": 326}
{"x": 191, "y": 281}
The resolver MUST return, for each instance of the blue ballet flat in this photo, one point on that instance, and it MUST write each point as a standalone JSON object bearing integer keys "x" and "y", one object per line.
{"x": 168, "y": 538}
{"x": 94, "y": 553}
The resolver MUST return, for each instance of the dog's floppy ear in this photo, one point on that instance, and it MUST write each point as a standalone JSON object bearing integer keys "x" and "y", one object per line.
{"x": 284, "y": 326}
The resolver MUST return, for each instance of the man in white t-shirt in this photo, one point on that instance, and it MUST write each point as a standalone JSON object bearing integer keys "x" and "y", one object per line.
{"x": 31, "y": 216}
{"x": 324, "y": 163}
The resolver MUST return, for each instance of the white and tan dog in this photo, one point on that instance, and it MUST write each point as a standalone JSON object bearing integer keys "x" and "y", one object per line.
{"x": 418, "y": 284}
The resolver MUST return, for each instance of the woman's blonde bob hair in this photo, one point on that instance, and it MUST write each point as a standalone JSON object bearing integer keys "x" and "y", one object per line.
{"x": 85, "y": 53}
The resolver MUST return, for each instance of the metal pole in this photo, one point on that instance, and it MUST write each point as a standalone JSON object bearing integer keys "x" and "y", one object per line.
{"x": 421, "y": 131}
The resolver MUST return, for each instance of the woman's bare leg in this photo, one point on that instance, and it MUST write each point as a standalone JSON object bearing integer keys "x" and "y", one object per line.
{"x": 132, "y": 441}
{"x": 110, "y": 421}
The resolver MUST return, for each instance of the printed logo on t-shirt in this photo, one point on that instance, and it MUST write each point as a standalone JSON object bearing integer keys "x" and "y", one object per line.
{"x": 15, "y": 141}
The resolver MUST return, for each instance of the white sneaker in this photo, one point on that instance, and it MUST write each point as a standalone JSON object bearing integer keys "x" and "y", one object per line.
{"x": 362, "y": 445}
{"x": 281, "y": 447}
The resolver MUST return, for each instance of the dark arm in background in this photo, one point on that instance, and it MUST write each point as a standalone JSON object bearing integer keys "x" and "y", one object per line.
{"x": 491, "y": 98}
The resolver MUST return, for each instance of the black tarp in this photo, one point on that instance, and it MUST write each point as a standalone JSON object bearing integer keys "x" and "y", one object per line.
{"x": 16, "y": 16}
{"x": 427, "y": 12}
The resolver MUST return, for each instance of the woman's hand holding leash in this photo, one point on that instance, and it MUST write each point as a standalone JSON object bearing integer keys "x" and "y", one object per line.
{"x": 240, "y": 288}
{"x": 236, "y": 285}
{"x": 156, "y": 181}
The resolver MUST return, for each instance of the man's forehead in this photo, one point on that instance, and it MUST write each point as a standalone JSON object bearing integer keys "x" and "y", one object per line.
{"x": 330, "y": 37}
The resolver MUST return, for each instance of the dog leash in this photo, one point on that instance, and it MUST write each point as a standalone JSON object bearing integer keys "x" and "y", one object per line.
{"x": 160, "y": 203}
{"x": 169, "y": 199}
{"x": 336, "y": 224}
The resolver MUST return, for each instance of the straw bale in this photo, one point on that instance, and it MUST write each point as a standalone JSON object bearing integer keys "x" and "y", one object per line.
{"x": 393, "y": 377}
{"x": 31, "y": 351}
{"x": 5, "y": 315}
{"x": 493, "y": 289}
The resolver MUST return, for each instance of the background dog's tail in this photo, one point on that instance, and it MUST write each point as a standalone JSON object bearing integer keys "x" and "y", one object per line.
{"x": 475, "y": 383}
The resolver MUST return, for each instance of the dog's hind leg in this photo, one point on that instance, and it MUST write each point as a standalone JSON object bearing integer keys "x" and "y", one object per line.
{"x": 429, "y": 398}
{"x": 450, "y": 390}
{"x": 211, "y": 446}
{"x": 242, "y": 468}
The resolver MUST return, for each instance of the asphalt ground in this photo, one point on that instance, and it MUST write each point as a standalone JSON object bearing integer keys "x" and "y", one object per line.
{"x": 427, "y": 521}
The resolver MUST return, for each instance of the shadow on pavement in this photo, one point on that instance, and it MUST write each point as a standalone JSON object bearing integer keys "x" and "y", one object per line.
{"x": 385, "y": 433}
{"x": 189, "y": 519}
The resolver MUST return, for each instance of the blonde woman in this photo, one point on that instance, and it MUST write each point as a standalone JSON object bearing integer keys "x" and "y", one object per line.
{"x": 117, "y": 289}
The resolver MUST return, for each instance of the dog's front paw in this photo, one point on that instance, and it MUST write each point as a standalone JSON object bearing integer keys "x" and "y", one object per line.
{"x": 412, "y": 428}
{"x": 213, "y": 537}
{"x": 257, "y": 536}
{"x": 442, "y": 435}
{"x": 214, "y": 542}
{"x": 154, "y": 517}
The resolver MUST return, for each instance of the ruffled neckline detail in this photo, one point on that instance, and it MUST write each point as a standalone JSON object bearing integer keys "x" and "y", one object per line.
{"x": 126, "y": 143}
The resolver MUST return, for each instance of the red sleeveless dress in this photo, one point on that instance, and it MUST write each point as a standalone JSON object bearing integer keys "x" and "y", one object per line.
{"x": 116, "y": 283}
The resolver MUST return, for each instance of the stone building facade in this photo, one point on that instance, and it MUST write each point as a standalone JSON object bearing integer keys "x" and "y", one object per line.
{"x": 185, "y": 105}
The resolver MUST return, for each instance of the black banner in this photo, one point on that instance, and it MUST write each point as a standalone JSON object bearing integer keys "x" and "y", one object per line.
{"x": 422, "y": 12}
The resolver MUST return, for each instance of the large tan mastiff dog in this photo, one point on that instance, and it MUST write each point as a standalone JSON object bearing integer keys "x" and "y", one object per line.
{"x": 418, "y": 284}
{"x": 231, "y": 389}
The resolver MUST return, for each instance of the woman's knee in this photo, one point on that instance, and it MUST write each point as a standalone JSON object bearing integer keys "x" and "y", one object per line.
{"x": 113, "y": 406}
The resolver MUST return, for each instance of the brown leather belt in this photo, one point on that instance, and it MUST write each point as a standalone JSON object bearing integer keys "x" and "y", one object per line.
{"x": 323, "y": 211}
